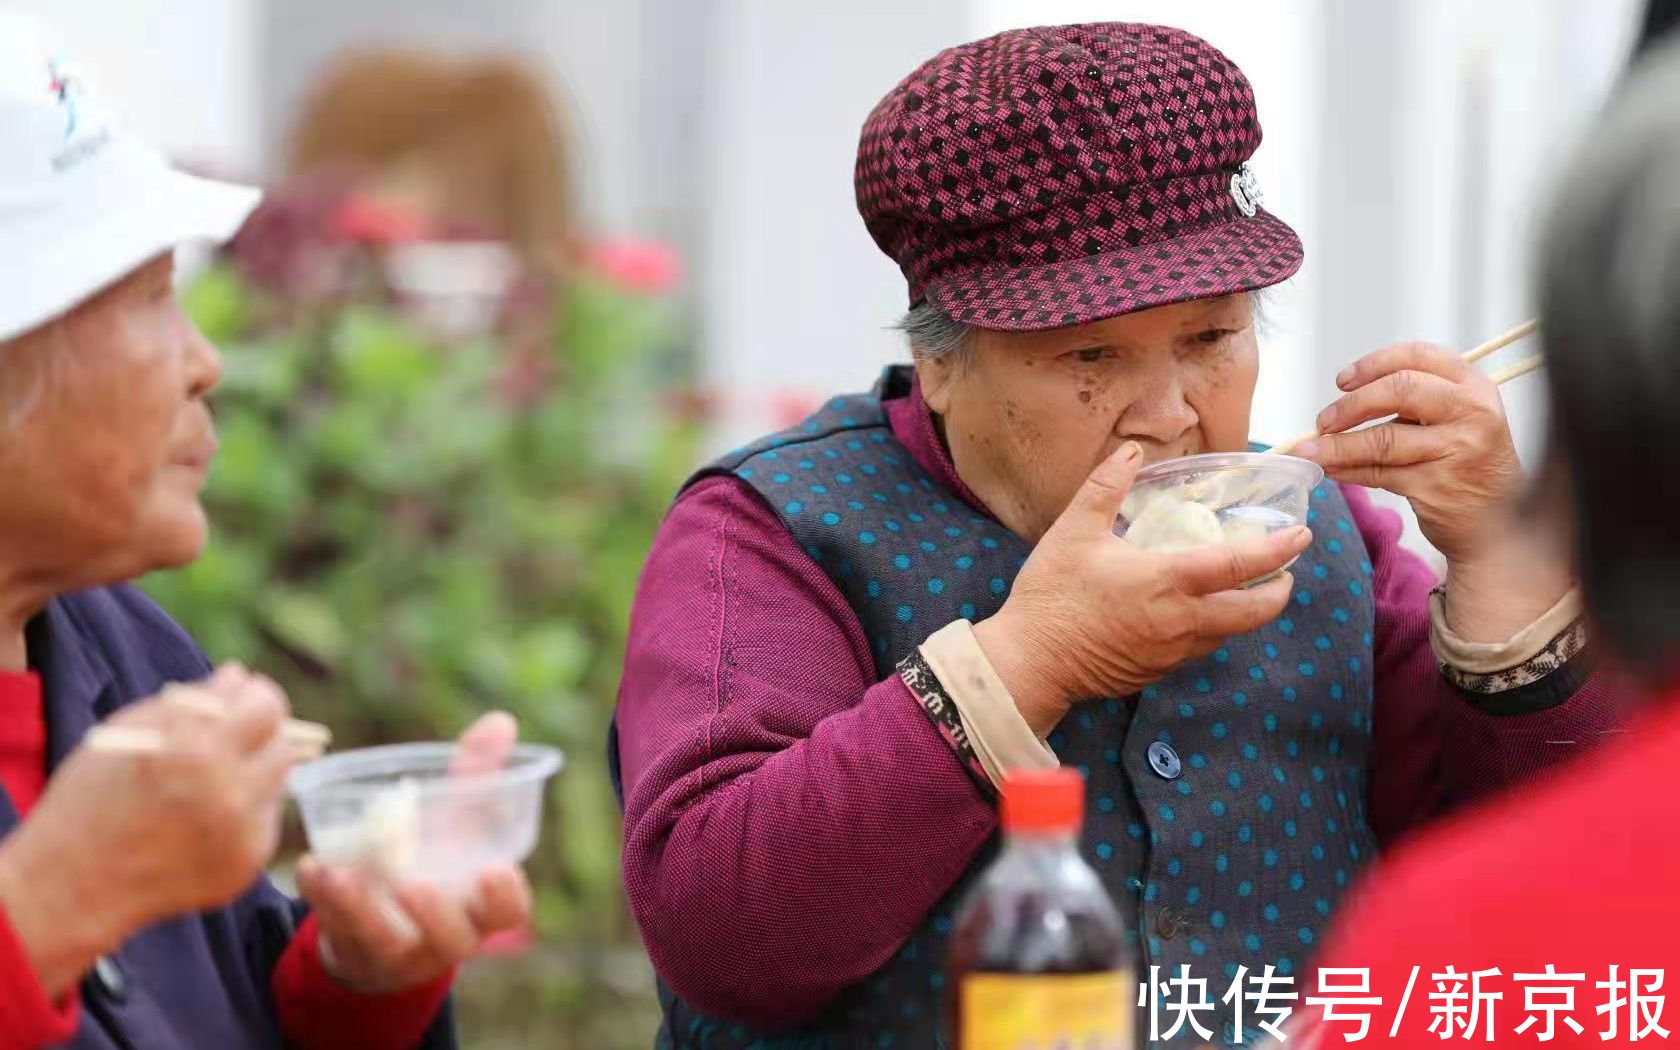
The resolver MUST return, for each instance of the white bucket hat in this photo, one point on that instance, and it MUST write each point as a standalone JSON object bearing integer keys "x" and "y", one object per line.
{"x": 82, "y": 203}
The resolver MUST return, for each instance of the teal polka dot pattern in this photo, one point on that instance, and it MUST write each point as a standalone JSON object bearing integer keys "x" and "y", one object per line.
{"x": 1257, "y": 838}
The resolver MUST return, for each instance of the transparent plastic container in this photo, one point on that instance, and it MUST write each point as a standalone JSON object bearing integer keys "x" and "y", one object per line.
{"x": 1222, "y": 497}
{"x": 402, "y": 813}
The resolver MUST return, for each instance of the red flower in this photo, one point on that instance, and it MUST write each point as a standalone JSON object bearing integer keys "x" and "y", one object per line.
{"x": 640, "y": 266}
{"x": 372, "y": 221}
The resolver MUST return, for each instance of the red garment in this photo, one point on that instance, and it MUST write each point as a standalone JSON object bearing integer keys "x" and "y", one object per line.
{"x": 787, "y": 811}
{"x": 316, "y": 1013}
{"x": 27, "y": 1017}
{"x": 23, "y": 739}
{"x": 1578, "y": 872}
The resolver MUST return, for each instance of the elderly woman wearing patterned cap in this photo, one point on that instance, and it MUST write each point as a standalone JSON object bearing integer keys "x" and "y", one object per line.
{"x": 849, "y": 631}
{"x": 133, "y": 912}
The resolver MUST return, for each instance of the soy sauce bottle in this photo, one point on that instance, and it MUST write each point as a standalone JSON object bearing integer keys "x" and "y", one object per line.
{"x": 1038, "y": 957}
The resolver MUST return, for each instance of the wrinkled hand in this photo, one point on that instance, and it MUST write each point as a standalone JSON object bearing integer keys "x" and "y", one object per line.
{"x": 377, "y": 938}
{"x": 1091, "y": 615}
{"x": 122, "y": 840}
{"x": 1450, "y": 453}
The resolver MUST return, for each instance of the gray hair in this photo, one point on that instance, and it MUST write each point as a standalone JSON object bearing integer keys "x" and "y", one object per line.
{"x": 935, "y": 335}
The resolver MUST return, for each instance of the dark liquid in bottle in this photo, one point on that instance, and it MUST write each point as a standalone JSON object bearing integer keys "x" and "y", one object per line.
{"x": 1040, "y": 910}
{"x": 1009, "y": 934}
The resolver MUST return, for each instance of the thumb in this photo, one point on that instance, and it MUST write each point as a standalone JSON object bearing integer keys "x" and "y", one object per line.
{"x": 1097, "y": 503}
{"x": 485, "y": 746}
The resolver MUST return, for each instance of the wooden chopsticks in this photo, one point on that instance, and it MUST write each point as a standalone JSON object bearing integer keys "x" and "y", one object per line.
{"x": 307, "y": 739}
{"x": 1501, "y": 377}
{"x": 1501, "y": 341}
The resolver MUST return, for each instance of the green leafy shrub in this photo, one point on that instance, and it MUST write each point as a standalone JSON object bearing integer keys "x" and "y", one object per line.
{"x": 407, "y": 532}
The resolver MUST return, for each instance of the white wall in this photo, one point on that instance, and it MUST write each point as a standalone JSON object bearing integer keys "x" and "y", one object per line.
{"x": 1429, "y": 222}
{"x": 1505, "y": 89}
{"x": 794, "y": 292}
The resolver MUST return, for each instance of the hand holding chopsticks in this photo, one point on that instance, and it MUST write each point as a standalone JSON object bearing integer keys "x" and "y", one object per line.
{"x": 120, "y": 841}
{"x": 306, "y": 739}
{"x": 1501, "y": 377}
{"x": 1422, "y": 422}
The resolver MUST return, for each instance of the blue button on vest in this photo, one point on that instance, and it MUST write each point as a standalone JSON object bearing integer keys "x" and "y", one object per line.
{"x": 1226, "y": 803}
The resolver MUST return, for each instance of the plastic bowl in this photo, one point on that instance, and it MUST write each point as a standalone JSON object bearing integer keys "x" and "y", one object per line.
{"x": 400, "y": 813}
{"x": 1222, "y": 497}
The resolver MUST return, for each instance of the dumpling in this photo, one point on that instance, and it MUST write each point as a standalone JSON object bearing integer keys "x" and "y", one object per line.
{"x": 1241, "y": 529}
{"x": 391, "y": 826}
{"x": 384, "y": 838}
{"x": 1169, "y": 522}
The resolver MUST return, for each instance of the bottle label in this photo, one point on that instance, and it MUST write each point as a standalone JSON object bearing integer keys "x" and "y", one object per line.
{"x": 1077, "y": 1011}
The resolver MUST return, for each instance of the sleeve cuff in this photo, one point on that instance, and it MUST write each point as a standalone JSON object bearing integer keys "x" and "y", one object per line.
{"x": 929, "y": 693}
{"x": 1537, "y": 669}
{"x": 1492, "y": 658}
{"x": 318, "y": 1013}
{"x": 1001, "y": 738}
{"x": 28, "y": 1019}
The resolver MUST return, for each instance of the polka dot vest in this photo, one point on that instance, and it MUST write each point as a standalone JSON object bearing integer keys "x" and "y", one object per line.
{"x": 1226, "y": 804}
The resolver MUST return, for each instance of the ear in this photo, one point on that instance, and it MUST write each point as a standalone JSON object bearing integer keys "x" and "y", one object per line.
{"x": 938, "y": 377}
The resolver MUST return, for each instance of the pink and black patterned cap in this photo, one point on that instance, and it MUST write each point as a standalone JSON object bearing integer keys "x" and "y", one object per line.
{"x": 1066, "y": 174}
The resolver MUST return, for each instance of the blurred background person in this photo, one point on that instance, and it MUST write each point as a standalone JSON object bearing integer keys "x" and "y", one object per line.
{"x": 1578, "y": 874}
{"x": 131, "y": 874}
{"x": 468, "y": 147}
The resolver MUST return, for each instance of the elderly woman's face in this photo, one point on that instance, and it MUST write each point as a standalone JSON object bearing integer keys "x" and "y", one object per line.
{"x": 103, "y": 469}
{"x": 1033, "y": 413}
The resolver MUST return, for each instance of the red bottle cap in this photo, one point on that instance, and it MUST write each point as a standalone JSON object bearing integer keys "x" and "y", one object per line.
{"x": 1043, "y": 801}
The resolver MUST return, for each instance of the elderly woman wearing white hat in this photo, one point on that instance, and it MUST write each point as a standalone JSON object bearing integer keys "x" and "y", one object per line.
{"x": 132, "y": 908}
